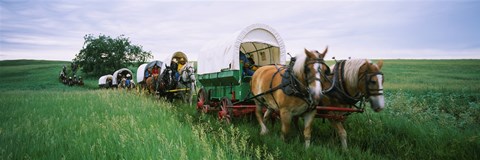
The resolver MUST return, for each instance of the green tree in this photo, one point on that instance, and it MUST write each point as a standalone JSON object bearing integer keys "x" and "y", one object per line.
{"x": 103, "y": 55}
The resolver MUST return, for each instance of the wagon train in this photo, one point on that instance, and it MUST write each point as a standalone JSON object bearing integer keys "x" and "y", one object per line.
{"x": 175, "y": 79}
{"x": 247, "y": 73}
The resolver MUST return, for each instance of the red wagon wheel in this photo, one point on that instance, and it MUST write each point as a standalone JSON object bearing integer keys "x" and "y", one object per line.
{"x": 225, "y": 110}
{"x": 202, "y": 101}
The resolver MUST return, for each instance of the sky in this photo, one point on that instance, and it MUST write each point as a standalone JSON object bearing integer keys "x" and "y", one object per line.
{"x": 55, "y": 30}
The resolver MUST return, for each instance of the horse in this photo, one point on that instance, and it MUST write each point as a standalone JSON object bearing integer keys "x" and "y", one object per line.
{"x": 187, "y": 81}
{"x": 352, "y": 81}
{"x": 151, "y": 83}
{"x": 166, "y": 83}
{"x": 305, "y": 79}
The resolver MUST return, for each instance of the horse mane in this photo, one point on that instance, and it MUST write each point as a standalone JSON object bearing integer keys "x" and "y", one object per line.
{"x": 299, "y": 66}
{"x": 352, "y": 68}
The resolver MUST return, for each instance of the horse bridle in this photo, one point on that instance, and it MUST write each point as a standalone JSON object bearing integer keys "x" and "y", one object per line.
{"x": 368, "y": 80}
{"x": 308, "y": 80}
{"x": 321, "y": 61}
{"x": 187, "y": 69}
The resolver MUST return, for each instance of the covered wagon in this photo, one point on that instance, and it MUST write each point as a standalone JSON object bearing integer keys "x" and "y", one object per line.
{"x": 105, "y": 81}
{"x": 144, "y": 70}
{"x": 121, "y": 74}
{"x": 222, "y": 72}
{"x": 182, "y": 82}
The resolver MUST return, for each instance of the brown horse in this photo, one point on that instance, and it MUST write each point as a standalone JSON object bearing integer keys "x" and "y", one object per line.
{"x": 151, "y": 82}
{"x": 353, "y": 81}
{"x": 306, "y": 72}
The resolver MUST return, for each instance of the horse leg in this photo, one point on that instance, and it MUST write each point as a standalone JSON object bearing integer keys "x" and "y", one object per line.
{"x": 258, "y": 114}
{"x": 267, "y": 114}
{"x": 192, "y": 91}
{"x": 341, "y": 132}
{"x": 286, "y": 118}
{"x": 307, "y": 131}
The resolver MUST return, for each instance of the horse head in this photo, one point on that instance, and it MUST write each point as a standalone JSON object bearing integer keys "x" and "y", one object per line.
{"x": 167, "y": 77}
{"x": 188, "y": 74}
{"x": 373, "y": 88}
{"x": 191, "y": 72}
{"x": 309, "y": 68}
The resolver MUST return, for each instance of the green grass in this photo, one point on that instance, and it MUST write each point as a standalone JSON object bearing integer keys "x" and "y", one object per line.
{"x": 103, "y": 124}
{"x": 433, "y": 75}
{"x": 433, "y": 110}
{"x": 36, "y": 75}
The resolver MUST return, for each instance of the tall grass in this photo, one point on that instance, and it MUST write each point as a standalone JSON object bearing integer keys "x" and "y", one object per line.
{"x": 433, "y": 110}
{"x": 108, "y": 124}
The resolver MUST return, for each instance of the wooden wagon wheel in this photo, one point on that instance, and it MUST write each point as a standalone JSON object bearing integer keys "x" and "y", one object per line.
{"x": 202, "y": 101}
{"x": 225, "y": 110}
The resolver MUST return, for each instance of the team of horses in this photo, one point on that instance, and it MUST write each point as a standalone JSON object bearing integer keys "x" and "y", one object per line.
{"x": 316, "y": 84}
{"x": 172, "y": 84}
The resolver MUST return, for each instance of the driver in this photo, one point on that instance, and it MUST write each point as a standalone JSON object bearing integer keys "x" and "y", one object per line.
{"x": 248, "y": 64}
{"x": 127, "y": 81}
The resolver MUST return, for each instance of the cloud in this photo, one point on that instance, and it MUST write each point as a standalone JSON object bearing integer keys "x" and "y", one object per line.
{"x": 55, "y": 29}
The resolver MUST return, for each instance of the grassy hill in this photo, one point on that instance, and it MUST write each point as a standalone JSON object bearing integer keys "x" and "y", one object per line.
{"x": 433, "y": 110}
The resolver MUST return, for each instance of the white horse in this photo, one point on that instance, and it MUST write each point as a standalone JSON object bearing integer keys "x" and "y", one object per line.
{"x": 187, "y": 81}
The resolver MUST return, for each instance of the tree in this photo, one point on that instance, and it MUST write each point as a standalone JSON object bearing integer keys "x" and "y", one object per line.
{"x": 103, "y": 55}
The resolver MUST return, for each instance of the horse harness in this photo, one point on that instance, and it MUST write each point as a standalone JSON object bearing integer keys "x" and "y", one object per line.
{"x": 338, "y": 88}
{"x": 291, "y": 85}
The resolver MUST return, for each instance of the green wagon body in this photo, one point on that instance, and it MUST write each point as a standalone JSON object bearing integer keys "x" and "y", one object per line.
{"x": 229, "y": 83}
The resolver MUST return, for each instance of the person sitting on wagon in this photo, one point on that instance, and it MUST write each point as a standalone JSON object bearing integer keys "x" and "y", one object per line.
{"x": 174, "y": 67}
{"x": 248, "y": 64}
{"x": 146, "y": 74}
{"x": 155, "y": 70}
{"x": 252, "y": 65}
{"x": 128, "y": 79}
{"x": 181, "y": 63}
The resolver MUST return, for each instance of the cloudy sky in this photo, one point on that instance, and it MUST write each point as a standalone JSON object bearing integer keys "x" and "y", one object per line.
{"x": 54, "y": 30}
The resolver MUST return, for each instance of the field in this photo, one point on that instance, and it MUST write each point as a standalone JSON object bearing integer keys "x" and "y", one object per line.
{"x": 432, "y": 112}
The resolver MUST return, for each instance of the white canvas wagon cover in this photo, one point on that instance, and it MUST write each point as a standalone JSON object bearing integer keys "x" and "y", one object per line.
{"x": 177, "y": 55}
{"x": 142, "y": 68}
{"x": 224, "y": 54}
{"x": 141, "y": 72}
{"x": 115, "y": 75}
{"x": 103, "y": 79}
